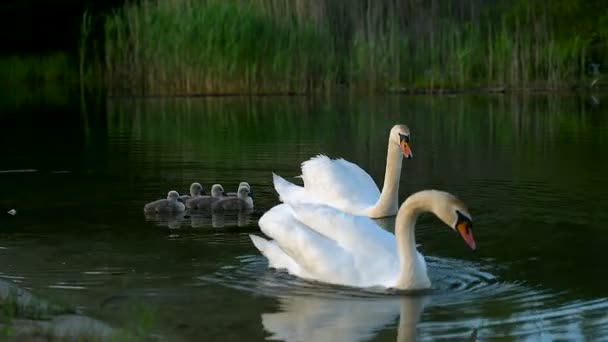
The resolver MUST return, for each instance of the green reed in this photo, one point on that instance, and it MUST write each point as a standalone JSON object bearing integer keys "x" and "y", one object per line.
{"x": 50, "y": 67}
{"x": 276, "y": 46}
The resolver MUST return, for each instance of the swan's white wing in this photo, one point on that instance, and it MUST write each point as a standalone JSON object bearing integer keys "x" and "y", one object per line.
{"x": 275, "y": 255}
{"x": 291, "y": 193}
{"x": 373, "y": 249}
{"x": 330, "y": 222}
{"x": 331, "y": 246}
{"x": 339, "y": 180}
{"x": 318, "y": 257}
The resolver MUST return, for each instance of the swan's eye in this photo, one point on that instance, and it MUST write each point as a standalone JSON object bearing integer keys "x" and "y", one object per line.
{"x": 463, "y": 222}
{"x": 404, "y": 137}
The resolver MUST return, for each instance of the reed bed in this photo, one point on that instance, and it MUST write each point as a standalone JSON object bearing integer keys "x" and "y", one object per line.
{"x": 51, "y": 67}
{"x": 170, "y": 47}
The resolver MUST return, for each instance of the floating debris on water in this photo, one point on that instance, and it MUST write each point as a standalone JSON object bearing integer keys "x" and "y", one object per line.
{"x": 18, "y": 171}
{"x": 12, "y": 212}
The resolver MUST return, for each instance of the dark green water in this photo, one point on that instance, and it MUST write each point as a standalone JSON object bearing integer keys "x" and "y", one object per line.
{"x": 532, "y": 170}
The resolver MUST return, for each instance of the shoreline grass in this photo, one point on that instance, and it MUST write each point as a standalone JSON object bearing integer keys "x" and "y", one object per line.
{"x": 37, "y": 69}
{"x": 170, "y": 47}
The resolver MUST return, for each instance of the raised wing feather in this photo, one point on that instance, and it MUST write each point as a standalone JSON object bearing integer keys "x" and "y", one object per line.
{"x": 319, "y": 258}
{"x": 336, "y": 180}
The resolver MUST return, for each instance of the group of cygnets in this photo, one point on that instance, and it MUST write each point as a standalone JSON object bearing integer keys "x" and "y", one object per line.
{"x": 219, "y": 200}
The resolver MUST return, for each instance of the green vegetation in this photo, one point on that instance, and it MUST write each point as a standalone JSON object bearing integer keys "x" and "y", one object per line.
{"x": 37, "y": 68}
{"x": 186, "y": 47}
{"x": 24, "y": 316}
{"x": 265, "y": 46}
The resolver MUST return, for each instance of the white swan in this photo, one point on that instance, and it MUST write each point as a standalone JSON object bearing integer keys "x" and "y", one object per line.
{"x": 310, "y": 241}
{"x": 344, "y": 185}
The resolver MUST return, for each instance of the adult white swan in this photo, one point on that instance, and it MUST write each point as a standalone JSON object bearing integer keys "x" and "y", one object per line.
{"x": 344, "y": 185}
{"x": 321, "y": 243}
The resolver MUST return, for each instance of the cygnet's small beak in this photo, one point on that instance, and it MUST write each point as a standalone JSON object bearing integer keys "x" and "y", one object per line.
{"x": 179, "y": 199}
{"x": 405, "y": 146}
{"x": 224, "y": 194}
{"x": 250, "y": 194}
{"x": 464, "y": 228}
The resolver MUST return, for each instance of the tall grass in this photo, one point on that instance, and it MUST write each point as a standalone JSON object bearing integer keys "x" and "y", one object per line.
{"x": 49, "y": 67}
{"x": 215, "y": 46}
{"x": 266, "y": 46}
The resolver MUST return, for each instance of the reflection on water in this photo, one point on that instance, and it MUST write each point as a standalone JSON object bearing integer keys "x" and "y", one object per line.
{"x": 530, "y": 169}
{"x": 359, "y": 319}
{"x": 467, "y": 301}
{"x": 198, "y": 219}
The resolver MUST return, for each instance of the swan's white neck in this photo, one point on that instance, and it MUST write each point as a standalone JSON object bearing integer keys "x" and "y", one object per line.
{"x": 413, "y": 270}
{"x": 388, "y": 203}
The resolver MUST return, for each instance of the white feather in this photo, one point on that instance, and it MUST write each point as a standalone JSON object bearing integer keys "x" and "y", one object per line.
{"x": 331, "y": 246}
{"x": 334, "y": 182}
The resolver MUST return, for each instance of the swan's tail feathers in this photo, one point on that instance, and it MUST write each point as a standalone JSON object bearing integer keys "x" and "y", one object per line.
{"x": 288, "y": 192}
{"x": 260, "y": 243}
{"x": 275, "y": 255}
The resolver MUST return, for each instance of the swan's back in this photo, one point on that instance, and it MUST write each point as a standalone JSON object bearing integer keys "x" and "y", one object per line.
{"x": 318, "y": 257}
{"x": 332, "y": 246}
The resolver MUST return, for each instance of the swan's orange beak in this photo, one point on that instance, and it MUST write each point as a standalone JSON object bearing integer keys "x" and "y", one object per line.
{"x": 464, "y": 228}
{"x": 405, "y": 146}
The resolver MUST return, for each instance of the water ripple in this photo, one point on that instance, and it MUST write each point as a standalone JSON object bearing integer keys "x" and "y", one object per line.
{"x": 463, "y": 292}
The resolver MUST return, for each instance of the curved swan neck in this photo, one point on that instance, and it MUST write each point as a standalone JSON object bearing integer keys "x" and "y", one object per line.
{"x": 413, "y": 271}
{"x": 388, "y": 203}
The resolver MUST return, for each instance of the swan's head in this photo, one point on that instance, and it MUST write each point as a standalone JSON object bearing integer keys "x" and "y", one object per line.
{"x": 400, "y": 135}
{"x": 173, "y": 195}
{"x": 243, "y": 192}
{"x": 217, "y": 190}
{"x": 453, "y": 212}
{"x": 196, "y": 189}
{"x": 244, "y": 184}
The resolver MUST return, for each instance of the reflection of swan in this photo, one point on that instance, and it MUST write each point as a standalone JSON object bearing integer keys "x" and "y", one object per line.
{"x": 170, "y": 220}
{"x": 344, "y": 185}
{"x": 354, "y": 319}
{"x": 171, "y": 204}
{"x": 321, "y": 243}
{"x": 239, "y": 219}
{"x": 200, "y": 220}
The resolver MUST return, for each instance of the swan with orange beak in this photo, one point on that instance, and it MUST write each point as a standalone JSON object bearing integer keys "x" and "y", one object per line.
{"x": 404, "y": 143}
{"x": 346, "y": 186}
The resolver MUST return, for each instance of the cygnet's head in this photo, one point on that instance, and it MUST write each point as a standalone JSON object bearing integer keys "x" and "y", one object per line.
{"x": 196, "y": 189}
{"x": 173, "y": 195}
{"x": 244, "y": 184}
{"x": 400, "y": 135}
{"x": 217, "y": 190}
{"x": 243, "y": 192}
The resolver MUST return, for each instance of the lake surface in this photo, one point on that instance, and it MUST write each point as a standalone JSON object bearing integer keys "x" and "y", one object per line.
{"x": 532, "y": 170}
